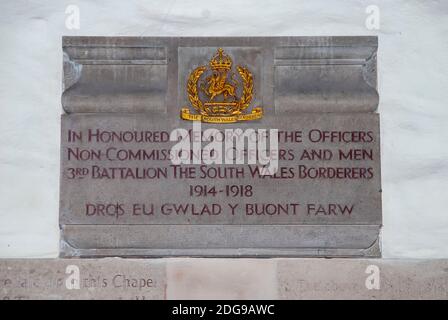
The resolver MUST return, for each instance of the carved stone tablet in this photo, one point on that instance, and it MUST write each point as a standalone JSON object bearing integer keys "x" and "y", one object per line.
{"x": 130, "y": 187}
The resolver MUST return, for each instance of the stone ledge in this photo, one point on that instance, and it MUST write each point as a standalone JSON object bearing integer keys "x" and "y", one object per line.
{"x": 188, "y": 278}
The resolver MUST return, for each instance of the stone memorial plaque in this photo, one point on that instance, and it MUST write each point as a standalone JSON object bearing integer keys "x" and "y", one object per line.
{"x": 220, "y": 147}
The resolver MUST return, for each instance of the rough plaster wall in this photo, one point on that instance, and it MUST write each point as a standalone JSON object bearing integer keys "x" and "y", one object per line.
{"x": 413, "y": 89}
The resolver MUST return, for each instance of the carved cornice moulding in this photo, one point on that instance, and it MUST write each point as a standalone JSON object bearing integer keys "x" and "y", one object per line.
{"x": 148, "y": 74}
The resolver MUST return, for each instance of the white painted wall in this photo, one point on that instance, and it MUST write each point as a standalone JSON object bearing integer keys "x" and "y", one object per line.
{"x": 413, "y": 81}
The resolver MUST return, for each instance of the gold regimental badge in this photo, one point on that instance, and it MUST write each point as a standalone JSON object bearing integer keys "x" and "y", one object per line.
{"x": 219, "y": 92}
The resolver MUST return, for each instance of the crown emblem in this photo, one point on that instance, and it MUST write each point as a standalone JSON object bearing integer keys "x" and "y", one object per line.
{"x": 221, "y": 61}
{"x": 216, "y": 94}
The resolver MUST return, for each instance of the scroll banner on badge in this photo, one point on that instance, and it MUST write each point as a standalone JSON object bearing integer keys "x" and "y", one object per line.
{"x": 257, "y": 113}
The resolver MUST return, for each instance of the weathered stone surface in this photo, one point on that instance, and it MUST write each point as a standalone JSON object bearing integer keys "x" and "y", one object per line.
{"x": 222, "y": 279}
{"x": 341, "y": 78}
{"x": 355, "y": 279}
{"x": 115, "y": 278}
{"x": 298, "y": 214}
{"x": 138, "y": 74}
{"x": 114, "y": 77}
{"x": 123, "y": 196}
{"x": 219, "y": 240}
{"x": 110, "y": 278}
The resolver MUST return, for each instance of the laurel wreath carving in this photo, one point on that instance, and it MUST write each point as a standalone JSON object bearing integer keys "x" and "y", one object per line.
{"x": 248, "y": 88}
{"x": 193, "y": 95}
{"x": 192, "y": 88}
